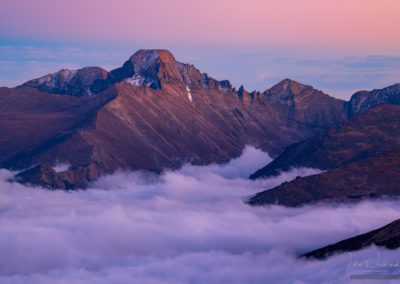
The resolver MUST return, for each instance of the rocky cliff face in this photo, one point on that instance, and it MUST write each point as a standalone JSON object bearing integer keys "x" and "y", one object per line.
{"x": 145, "y": 67}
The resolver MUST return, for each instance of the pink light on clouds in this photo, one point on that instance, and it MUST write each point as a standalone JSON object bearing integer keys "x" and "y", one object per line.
{"x": 371, "y": 25}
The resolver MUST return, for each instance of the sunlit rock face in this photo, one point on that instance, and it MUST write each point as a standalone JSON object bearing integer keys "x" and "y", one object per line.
{"x": 153, "y": 113}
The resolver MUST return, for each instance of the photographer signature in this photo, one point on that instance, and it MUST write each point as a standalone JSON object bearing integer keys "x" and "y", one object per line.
{"x": 370, "y": 267}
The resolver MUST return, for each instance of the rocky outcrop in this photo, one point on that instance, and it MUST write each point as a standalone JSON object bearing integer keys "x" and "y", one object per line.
{"x": 43, "y": 175}
{"x": 387, "y": 236}
{"x": 46, "y": 176}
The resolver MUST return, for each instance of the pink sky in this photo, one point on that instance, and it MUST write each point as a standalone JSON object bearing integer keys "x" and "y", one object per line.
{"x": 366, "y": 26}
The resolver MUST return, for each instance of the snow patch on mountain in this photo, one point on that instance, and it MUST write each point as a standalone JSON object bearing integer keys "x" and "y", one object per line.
{"x": 57, "y": 79}
{"x": 189, "y": 94}
{"x": 135, "y": 80}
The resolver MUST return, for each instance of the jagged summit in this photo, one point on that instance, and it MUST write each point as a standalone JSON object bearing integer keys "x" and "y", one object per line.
{"x": 146, "y": 67}
{"x": 140, "y": 69}
{"x": 146, "y": 64}
{"x": 155, "y": 68}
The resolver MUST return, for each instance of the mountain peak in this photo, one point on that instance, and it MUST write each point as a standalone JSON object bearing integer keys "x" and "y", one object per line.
{"x": 166, "y": 56}
{"x": 288, "y": 85}
{"x": 288, "y": 89}
{"x": 146, "y": 67}
{"x": 149, "y": 57}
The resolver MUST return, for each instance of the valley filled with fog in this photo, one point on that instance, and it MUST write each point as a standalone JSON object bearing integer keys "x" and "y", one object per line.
{"x": 186, "y": 226}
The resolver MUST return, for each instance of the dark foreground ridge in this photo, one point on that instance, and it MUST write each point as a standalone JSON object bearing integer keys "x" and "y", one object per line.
{"x": 387, "y": 236}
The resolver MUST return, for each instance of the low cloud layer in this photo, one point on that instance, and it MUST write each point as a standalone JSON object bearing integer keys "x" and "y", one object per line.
{"x": 189, "y": 226}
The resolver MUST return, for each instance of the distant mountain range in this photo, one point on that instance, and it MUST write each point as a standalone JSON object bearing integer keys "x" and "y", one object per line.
{"x": 155, "y": 113}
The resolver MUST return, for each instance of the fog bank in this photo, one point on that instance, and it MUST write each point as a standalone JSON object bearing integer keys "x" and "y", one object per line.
{"x": 187, "y": 226}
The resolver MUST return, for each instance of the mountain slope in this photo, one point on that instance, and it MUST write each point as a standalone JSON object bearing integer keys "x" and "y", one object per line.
{"x": 304, "y": 104}
{"x": 373, "y": 177}
{"x": 152, "y": 113}
{"x": 387, "y": 236}
{"x": 371, "y": 132}
{"x": 29, "y": 119}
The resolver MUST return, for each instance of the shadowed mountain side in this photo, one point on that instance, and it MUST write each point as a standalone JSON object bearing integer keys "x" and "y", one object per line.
{"x": 32, "y": 121}
{"x": 387, "y": 236}
{"x": 376, "y": 130}
{"x": 373, "y": 177}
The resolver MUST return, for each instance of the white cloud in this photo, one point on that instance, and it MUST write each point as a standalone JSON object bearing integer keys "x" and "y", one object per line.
{"x": 189, "y": 226}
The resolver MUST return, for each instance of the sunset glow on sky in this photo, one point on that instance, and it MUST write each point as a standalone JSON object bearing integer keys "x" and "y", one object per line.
{"x": 201, "y": 31}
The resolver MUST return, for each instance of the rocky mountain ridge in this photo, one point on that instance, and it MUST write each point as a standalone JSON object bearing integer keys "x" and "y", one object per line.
{"x": 153, "y": 113}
